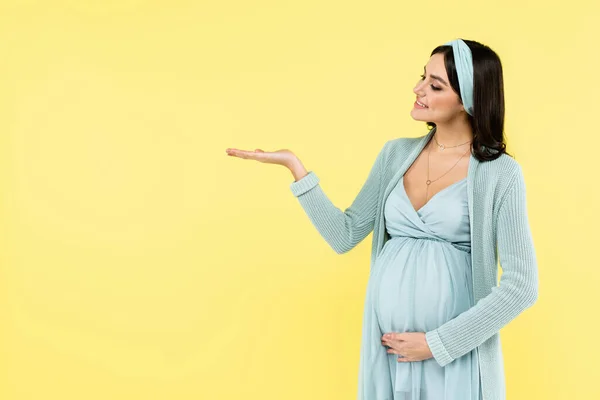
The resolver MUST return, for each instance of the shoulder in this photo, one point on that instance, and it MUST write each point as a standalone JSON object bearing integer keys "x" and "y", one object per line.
{"x": 504, "y": 168}
{"x": 395, "y": 151}
{"x": 405, "y": 141}
{"x": 501, "y": 176}
{"x": 401, "y": 145}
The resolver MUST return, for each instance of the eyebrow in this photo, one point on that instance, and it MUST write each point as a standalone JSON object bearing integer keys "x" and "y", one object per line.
{"x": 435, "y": 77}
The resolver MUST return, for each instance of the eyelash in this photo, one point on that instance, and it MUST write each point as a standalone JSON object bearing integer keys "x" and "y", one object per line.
{"x": 433, "y": 87}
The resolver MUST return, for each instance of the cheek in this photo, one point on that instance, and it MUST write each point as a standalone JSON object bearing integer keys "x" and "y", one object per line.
{"x": 443, "y": 101}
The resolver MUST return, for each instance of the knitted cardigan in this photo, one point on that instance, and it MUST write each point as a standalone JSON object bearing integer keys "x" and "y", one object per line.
{"x": 499, "y": 232}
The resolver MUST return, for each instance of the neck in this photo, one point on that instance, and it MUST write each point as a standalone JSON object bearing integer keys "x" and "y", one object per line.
{"x": 453, "y": 133}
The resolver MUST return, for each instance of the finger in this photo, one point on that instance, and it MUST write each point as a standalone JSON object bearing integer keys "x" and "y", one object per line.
{"x": 234, "y": 150}
{"x": 404, "y": 359}
{"x": 393, "y": 351}
{"x": 393, "y": 342}
{"x": 398, "y": 349}
{"x": 397, "y": 336}
{"x": 393, "y": 336}
{"x": 243, "y": 154}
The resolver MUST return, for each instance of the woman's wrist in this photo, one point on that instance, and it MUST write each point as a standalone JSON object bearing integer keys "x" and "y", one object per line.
{"x": 297, "y": 169}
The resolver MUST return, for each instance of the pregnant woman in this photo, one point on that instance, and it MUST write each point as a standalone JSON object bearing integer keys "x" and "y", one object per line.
{"x": 444, "y": 208}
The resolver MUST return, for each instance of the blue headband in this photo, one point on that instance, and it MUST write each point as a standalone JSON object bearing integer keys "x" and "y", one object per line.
{"x": 463, "y": 59}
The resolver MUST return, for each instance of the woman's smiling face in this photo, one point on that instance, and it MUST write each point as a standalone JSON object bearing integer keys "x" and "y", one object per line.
{"x": 433, "y": 90}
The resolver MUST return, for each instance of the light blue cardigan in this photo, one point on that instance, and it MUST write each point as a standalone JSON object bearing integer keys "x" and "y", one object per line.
{"x": 499, "y": 232}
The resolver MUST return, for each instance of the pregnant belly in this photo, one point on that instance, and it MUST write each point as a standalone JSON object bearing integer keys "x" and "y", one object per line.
{"x": 420, "y": 284}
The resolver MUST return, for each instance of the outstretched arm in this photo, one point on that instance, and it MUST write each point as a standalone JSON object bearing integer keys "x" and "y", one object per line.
{"x": 342, "y": 230}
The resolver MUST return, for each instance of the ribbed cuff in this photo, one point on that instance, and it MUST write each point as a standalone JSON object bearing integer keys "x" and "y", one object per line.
{"x": 437, "y": 348}
{"x": 304, "y": 184}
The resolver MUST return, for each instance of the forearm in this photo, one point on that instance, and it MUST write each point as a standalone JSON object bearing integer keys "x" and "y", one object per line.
{"x": 473, "y": 327}
{"x": 343, "y": 230}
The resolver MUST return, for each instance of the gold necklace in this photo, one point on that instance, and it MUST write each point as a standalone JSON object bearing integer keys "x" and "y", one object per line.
{"x": 428, "y": 181}
{"x": 442, "y": 147}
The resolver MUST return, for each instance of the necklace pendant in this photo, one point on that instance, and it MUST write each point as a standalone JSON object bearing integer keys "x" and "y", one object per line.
{"x": 428, "y": 182}
{"x": 442, "y": 147}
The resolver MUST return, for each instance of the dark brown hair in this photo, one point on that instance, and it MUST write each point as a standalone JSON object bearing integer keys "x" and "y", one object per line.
{"x": 487, "y": 120}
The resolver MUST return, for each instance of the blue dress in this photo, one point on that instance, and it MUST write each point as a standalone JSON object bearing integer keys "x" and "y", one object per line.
{"x": 420, "y": 280}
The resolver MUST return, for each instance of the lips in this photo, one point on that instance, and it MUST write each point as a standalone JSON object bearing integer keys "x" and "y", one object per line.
{"x": 420, "y": 105}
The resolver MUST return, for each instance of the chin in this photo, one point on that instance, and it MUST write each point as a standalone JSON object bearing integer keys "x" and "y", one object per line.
{"x": 417, "y": 117}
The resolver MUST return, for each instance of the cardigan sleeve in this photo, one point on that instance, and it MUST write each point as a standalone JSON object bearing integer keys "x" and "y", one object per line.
{"x": 342, "y": 230}
{"x": 517, "y": 291}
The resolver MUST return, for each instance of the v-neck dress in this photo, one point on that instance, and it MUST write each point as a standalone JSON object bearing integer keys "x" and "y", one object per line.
{"x": 420, "y": 280}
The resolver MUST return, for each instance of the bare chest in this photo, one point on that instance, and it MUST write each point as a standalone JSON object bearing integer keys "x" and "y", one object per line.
{"x": 440, "y": 170}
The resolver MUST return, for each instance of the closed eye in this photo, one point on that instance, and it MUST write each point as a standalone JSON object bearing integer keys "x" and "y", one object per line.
{"x": 433, "y": 87}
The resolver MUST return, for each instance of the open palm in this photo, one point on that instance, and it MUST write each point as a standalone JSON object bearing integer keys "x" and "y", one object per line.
{"x": 282, "y": 157}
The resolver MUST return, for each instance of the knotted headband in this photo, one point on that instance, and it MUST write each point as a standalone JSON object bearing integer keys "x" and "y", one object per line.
{"x": 463, "y": 59}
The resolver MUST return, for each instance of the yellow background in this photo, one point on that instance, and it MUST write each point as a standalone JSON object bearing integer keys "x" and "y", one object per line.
{"x": 139, "y": 261}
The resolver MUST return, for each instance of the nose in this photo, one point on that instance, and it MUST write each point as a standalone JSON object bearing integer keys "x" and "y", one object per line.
{"x": 418, "y": 89}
